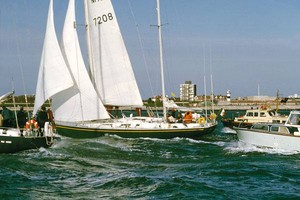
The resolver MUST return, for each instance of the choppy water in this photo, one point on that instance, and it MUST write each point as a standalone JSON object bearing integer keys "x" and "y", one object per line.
{"x": 214, "y": 167}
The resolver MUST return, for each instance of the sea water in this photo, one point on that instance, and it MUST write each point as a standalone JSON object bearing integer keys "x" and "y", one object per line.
{"x": 216, "y": 166}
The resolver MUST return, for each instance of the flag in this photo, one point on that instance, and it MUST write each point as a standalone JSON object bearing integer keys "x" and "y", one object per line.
{"x": 222, "y": 114}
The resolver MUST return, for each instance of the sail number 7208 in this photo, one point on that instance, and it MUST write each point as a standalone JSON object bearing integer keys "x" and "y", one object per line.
{"x": 102, "y": 19}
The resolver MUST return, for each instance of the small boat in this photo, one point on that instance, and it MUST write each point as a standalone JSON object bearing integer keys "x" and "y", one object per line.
{"x": 14, "y": 137}
{"x": 13, "y": 140}
{"x": 262, "y": 114}
{"x": 280, "y": 136}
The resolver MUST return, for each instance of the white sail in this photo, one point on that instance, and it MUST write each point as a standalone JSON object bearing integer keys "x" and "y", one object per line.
{"x": 110, "y": 66}
{"x": 81, "y": 102}
{"x": 53, "y": 74}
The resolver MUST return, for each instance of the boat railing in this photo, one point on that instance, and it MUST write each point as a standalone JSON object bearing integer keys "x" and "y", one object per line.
{"x": 150, "y": 112}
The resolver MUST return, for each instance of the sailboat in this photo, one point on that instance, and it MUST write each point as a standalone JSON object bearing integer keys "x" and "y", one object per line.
{"x": 15, "y": 137}
{"x": 79, "y": 101}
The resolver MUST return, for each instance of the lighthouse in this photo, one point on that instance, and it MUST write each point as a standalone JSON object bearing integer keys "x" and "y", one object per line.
{"x": 228, "y": 95}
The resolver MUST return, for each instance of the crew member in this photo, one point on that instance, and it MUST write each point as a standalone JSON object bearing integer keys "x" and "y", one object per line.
{"x": 188, "y": 117}
{"x": 42, "y": 118}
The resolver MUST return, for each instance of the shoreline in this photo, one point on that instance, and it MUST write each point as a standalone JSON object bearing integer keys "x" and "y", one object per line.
{"x": 215, "y": 107}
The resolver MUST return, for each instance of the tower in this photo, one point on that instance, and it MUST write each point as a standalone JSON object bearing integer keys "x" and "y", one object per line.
{"x": 228, "y": 95}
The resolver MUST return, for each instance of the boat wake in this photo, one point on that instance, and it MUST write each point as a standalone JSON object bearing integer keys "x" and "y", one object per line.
{"x": 240, "y": 147}
{"x": 228, "y": 130}
{"x": 176, "y": 139}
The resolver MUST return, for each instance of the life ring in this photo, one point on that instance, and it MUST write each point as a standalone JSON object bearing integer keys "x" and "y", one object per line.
{"x": 201, "y": 120}
{"x": 31, "y": 124}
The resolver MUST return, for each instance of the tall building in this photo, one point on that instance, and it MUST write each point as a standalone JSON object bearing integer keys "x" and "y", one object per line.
{"x": 188, "y": 91}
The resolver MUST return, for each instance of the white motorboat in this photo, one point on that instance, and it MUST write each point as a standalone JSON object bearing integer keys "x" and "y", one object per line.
{"x": 280, "y": 136}
{"x": 259, "y": 115}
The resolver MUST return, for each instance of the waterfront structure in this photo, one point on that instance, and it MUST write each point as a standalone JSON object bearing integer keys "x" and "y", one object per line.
{"x": 228, "y": 94}
{"x": 188, "y": 91}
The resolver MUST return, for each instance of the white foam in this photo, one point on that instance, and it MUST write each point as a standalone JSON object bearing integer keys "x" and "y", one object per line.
{"x": 228, "y": 130}
{"x": 240, "y": 147}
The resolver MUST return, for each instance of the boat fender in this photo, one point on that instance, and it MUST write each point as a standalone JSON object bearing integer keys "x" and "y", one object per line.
{"x": 201, "y": 120}
{"x": 48, "y": 129}
{"x": 212, "y": 116}
{"x": 297, "y": 133}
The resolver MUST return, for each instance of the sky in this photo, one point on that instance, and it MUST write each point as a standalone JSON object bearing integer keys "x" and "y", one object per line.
{"x": 242, "y": 44}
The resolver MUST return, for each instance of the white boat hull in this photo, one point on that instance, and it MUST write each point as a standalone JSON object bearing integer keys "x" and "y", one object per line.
{"x": 134, "y": 128}
{"x": 272, "y": 140}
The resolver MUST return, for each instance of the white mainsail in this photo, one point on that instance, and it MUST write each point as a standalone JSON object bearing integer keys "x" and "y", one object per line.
{"x": 111, "y": 69}
{"x": 81, "y": 102}
{"x": 53, "y": 74}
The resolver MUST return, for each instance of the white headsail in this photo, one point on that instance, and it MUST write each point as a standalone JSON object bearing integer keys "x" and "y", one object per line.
{"x": 53, "y": 74}
{"x": 110, "y": 66}
{"x": 81, "y": 102}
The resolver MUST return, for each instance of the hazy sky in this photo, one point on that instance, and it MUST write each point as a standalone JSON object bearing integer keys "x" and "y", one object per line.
{"x": 241, "y": 43}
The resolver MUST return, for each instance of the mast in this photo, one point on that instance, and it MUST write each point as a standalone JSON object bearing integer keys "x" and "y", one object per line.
{"x": 277, "y": 100}
{"x": 161, "y": 60}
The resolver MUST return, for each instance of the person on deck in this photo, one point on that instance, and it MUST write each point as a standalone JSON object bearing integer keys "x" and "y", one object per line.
{"x": 42, "y": 118}
{"x": 7, "y": 117}
{"x": 1, "y": 118}
{"x": 176, "y": 114}
{"x": 22, "y": 118}
{"x": 179, "y": 117}
{"x": 188, "y": 117}
{"x": 171, "y": 116}
{"x": 51, "y": 117}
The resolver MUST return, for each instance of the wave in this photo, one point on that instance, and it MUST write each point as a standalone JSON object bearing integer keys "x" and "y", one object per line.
{"x": 228, "y": 130}
{"x": 240, "y": 147}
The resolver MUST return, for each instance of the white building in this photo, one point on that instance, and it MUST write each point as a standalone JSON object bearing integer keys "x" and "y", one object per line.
{"x": 187, "y": 91}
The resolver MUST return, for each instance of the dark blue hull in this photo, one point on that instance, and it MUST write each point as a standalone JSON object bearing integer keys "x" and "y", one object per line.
{"x": 12, "y": 144}
{"x": 80, "y": 132}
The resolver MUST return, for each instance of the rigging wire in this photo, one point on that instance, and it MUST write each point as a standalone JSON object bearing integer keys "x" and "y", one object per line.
{"x": 14, "y": 102}
{"x": 20, "y": 59}
{"x": 204, "y": 80}
{"x": 211, "y": 80}
{"x": 142, "y": 49}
